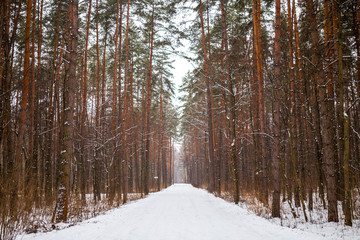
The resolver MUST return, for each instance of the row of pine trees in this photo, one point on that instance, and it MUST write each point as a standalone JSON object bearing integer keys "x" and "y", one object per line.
{"x": 85, "y": 104}
{"x": 272, "y": 107}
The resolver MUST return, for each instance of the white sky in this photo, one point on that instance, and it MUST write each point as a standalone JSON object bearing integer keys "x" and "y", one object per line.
{"x": 184, "y": 19}
{"x": 181, "y": 67}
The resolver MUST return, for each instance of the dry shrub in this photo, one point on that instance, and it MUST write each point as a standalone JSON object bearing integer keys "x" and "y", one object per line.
{"x": 248, "y": 201}
{"x": 39, "y": 218}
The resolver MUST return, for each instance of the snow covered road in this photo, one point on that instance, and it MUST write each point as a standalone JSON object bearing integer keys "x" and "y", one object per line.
{"x": 178, "y": 212}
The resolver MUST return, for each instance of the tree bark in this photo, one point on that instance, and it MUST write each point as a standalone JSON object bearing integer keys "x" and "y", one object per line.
{"x": 160, "y": 144}
{"x": 96, "y": 160}
{"x": 7, "y": 180}
{"x": 326, "y": 97}
{"x": 148, "y": 109}
{"x": 256, "y": 8}
{"x": 125, "y": 110}
{"x": 68, "y": 112}
{"x": 113, "y": 108}
{"x": 230, "y": 83}
{"x": 209, "y": 107}
{"x": 276, "y": 115}
{"x": 83, "y": 131}
{"x": 343, "y": 117}
{"x": 51, "y": 109}
{"x": 22, "y": 115}
{"x": 311, "y": 14}
{"x": 31, "y": 162}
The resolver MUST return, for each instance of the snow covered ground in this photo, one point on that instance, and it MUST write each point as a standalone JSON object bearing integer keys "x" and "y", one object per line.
{"x": 178, "y": 212}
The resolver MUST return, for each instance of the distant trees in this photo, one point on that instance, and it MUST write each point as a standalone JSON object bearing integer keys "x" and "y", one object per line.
{"x": 79, "y": 92}
{"x": 285, "y": 105}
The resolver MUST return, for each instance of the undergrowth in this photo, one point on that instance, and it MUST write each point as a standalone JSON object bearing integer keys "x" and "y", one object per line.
{"x": 41, "y": 218}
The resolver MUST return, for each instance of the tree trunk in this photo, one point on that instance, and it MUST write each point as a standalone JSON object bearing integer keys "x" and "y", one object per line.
{"x": 147, "y": 111}
{"x": 311, "y": 14}
{"x": 160, "y": 139}
{"x": 51, "y": 110}
{"x": 96, "y": 160}
{"x": 256, "y": 8}
{"x": 232, "y": 100}
{"x": 344, "y": 122}
{"x": 125, "y": 110}
{"x": 357, "y": 36}
{"x": 209, "y": 107}
{"x": 276, "y": 114}
{"x": 37, "y": 138}
{"x": 117, "y": 160}
{"x": 83, "y": 131}
{"x": 7, "y": 177}
{"x": 68, "y": 112}
{"x": 326, "y": 97}
{"x": 113, "y": 108}
{"x": 30, "y": 163}
{"x": 22, "y": 115}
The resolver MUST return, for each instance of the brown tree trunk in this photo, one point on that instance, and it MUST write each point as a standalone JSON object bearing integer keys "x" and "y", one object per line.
{"x": 160, "y": 144}
{"x": 256, "y": 8}
{"x": 68, "y": 112}
{"x": 230, "y": 83}
{"x": 83, "y": 131}
{"x": 325, "y": 105}
{"x": 125, "y": 110}
{"x": 213, "y": 164}
{"x": 357, "y": 36}
{"x": 48, "y": 190}
{"x": 293, "y": 139}
{"x": 311, "y": 14}
{"x": 166, "y": 159}
{"x": 22, "y": 115}
{"x": 339, "y": 101}
{"x": 37, "y": 138}
{"x": 117, "y": 160}
{"x": 147, "y": 111}
{"x": 113, "y": 108}
{"x": 343, "y": 118}
{"x": 326, "y": 97}
{"x": 209, "y": 107}
{"x": 103, "y": 155}
{"x": 7, "y": 180}
{"x": 30, "y": 163}
{"x": 96, "y": 160}
{"x": 347, "y": 200}
{"x": 276, "y": 114}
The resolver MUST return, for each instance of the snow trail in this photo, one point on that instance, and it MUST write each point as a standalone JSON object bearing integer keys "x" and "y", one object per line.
{"x": 180, "y": 212}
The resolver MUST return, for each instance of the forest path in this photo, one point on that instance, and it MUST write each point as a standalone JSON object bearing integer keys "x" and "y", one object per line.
{"x": 178, "y": 212}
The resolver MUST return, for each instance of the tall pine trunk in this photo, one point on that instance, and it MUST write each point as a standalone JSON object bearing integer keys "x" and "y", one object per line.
{"x": 68, "y": 112}
{"x": 148, "y": 109}
{"x": 276, "y": 166}
{"x": 19, "y": 157}
{"x": 256, "y": 8}
{"x": 124, "y": 151}
{"x": 209, "y": 107}
{"x": 232, "y": 100}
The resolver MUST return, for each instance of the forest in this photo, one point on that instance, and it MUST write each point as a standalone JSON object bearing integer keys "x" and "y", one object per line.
{"x": 272, "y": 110}
{"x": 88, "y": 120}
{"x": 85, "y": 106}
